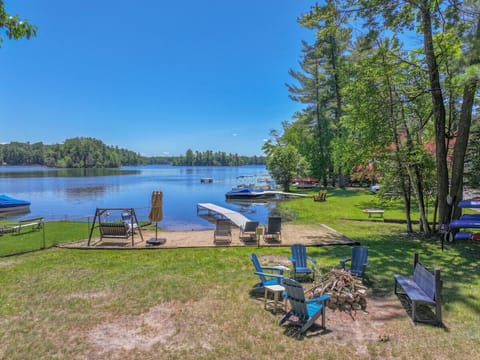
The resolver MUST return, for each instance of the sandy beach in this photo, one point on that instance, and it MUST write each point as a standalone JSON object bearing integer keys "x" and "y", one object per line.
{"x": 310, "y": 235}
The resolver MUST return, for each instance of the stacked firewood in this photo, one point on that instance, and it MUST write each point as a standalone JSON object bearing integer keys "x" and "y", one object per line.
{"x": 347, "y": 292}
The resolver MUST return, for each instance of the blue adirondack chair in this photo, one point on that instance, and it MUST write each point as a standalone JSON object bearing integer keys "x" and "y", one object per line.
{"x": 304, "y": 311}
{"x": 358, "y": 261}
{"x": 267, "y": 278}
{"x": 299, "y": 260}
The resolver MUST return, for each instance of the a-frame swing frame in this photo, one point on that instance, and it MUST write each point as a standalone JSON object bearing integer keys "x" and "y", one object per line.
{"x": 115, "y": 230}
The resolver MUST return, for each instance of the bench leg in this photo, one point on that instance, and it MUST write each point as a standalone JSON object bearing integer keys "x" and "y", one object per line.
{"x": 413, "y": 311}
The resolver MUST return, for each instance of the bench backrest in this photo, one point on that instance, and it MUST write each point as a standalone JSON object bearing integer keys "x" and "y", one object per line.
{"x": 114, "y": 229}
{"x": 424, "y": 279}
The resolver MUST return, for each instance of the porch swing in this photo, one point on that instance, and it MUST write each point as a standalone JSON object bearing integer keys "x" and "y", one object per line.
{"x": 116, "y": 230}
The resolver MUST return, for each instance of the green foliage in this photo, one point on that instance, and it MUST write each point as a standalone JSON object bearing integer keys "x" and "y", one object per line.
{"x": 285, "y": 163}
{"x": 219, "y": 158}
{"x": 78, "y": 152}
{"x": 14, "y": 27}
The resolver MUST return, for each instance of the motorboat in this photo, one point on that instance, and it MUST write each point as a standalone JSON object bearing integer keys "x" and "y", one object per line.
{"x": 247, "y": 193}
{"x": 9, "y": 204}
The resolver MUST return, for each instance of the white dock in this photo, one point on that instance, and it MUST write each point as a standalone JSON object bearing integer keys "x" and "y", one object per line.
{"x": 235, "y": 217}
{"x": 283, "y": 193}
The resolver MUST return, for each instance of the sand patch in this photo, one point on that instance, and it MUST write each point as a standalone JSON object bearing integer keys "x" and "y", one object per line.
{"x": 134, "y": 332}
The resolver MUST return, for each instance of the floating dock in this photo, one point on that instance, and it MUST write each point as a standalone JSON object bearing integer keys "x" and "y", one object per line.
{"x": 235, "y": 217}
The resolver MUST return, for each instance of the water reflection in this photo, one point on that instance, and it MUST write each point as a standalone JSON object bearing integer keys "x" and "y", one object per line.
{"x": 34, "y": 172}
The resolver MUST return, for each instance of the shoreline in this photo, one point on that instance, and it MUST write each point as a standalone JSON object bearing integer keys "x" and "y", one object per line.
{"x": 310, "y": 235}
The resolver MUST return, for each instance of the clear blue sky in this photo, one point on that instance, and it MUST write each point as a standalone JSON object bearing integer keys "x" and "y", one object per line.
{"x": 153, "y": 76}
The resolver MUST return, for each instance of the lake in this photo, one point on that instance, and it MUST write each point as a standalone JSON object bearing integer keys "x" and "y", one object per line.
{"x": 74, "y": 194}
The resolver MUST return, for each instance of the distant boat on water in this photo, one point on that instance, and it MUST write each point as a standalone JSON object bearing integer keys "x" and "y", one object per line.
{"x": 248, "y": 193}
{"x": 9, "y": 204}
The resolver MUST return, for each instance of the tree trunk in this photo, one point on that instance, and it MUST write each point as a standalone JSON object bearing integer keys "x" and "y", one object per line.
{"x": 438, "y": 112}
{"x": 464, "y": 125}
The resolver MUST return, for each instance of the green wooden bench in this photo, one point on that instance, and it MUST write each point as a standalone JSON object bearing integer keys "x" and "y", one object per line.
{"x": 424, "y": 287}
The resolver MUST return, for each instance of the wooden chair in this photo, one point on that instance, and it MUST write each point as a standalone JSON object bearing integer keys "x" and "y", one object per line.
{"x": 321, "y": 196}
{"x": 270, "y": 278}
{"x": 304, "y": 311}
{"x": 299, "y": 260}
{"x": 358, "y": 261}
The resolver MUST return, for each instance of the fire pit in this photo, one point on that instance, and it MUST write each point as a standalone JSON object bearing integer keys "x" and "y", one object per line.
{"x": 347, "y": 292}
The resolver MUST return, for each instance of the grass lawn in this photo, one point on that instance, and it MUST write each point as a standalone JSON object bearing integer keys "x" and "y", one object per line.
{"x": 197, "y": 303}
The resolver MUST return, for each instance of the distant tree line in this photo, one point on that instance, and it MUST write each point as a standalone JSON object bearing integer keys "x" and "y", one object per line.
{"x": 219, "y": 158}
{"x": 84, "y": 152}
{"x": 78, "y": 152}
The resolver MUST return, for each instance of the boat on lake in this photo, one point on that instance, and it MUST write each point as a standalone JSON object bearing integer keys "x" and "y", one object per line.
{"x": 9, "y": 204}
{"x": 248, "y": 193}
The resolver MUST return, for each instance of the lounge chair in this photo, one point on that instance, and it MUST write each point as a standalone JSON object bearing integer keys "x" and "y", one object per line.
{"x": 299, "y": 260}
{"x": 248, "y": 231}
{"x": 273, "y": 230}
{"x": 304, "y": 311}
{"x": 223, "y": 231}
{"x": 274, "y": 276}
{"x": 358, "y": 261}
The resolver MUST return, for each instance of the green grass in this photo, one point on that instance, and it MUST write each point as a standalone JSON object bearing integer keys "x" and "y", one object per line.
{"x": 56, "y": 304}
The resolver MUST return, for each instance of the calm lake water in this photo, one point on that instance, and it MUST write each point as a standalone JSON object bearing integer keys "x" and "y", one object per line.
{"x": 75, "y": 193}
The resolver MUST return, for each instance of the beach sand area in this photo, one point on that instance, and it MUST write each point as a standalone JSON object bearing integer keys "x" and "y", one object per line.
{"x": 310, "y": 235}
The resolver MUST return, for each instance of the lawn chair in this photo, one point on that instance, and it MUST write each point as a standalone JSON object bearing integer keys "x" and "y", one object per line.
{"x": 223, "y": 231}
{"x": 358, "y": 261}
{"x": 305, "y": 311}
{"x": 128, "y": 219}
{"x": 299, "y": 260}
{"x": 273, "y": 229}
{"x": 248, "y": 231}
{"x": 267, "y": 279}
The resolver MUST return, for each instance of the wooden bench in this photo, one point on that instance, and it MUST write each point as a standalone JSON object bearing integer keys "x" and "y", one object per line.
{"x": 114, "y": 230}
{"x": 371, "y": 212}
{"x": 35, "y": 223}
{"x": 424, "y": 287}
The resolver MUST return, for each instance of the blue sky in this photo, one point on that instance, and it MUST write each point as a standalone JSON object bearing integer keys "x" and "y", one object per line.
{"x": 153, "y": 76}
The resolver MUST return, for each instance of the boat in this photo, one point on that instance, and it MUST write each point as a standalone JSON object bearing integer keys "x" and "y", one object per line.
{"x": 247, "y": 193}
{"x": 9, "y": 204}
{"x": 206, "y": 180}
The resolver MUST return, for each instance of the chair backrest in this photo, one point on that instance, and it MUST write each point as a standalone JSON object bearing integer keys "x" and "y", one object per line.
{"x": 250, "y": 226}
{"x": 258, "y": 267}
{"x": 223, "y": 225}
{"x": 274, "y": 225}
{"x": 296, "y": 296}
{"x": 359, "y": 258}
{"x": 299, "y": 254}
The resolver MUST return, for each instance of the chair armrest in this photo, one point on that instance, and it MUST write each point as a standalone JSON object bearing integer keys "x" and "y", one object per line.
{"x": 291, "y": 259}
{"x": 280, "y": 269}
{"x": 312, "y": 259}
{"x": 343, "y": 261}
{"x": 322, "y": 298}
{"x": 268, "y": 274}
